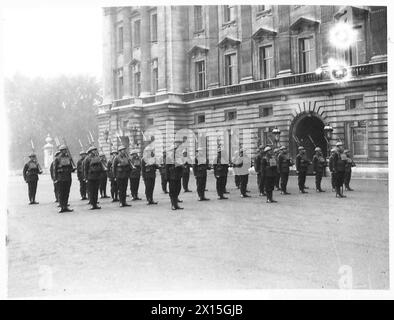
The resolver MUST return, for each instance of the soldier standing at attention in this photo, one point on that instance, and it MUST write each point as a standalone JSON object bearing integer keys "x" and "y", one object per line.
{"x": 63, "y": 169}
{"x": 52, "y": 172}
{"x": 269, "y": 166}
{"x": 187, "y": 164}
{"x": 302, "y": 163}
{"x": 81, "y": 179}
{"x": 284, "y": 164}
{"x": 111, "y": 177}
{"x": 103, "y": 178}
{"x": 31, "y": 170}
{"x": 162, "y": 170}
{"x": 200, "y": 168}
{"x": 257, "y": 168}
{"x": 174, "y": 169}
{"x": 277, "y": 178}
{"x": 220, "y": 169}
{"x": 319, "y": 166}
{"x": 348, "y": 170}
{"x": 330, "y": 166}
{"x": 236, "y": 176}
{"x": 241, "y": 165}
{"x": 148, "y": 170}
{"x": 121, "y": 168}
{"x": 135, "y": 174}
{"x": 338, "y": 165}
{"x": 92, "y": 170}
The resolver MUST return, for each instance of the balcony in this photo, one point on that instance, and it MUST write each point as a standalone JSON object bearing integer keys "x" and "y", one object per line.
{"x": 358, "y": 71}
{"x": 284, "y": 82}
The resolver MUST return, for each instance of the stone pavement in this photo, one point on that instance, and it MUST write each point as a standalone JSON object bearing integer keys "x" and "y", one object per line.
{"x": 301, "y": 242}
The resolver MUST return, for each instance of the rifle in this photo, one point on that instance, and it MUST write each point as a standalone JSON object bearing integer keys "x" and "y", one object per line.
{"x": 32, "y": 146}
{"x": 57, "y": 142}
{"x": 310, "y": 138}
{"x": 80, "y": 143}
{"x": 69, "y": 154}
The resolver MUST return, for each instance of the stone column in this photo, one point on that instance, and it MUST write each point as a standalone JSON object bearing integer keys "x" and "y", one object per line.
{"x": 126, "y": 51}
{"x": 213, "y": 53}
{"x": 108, "y": 49}
{"x": 145, "y": 53}
{"x": 161, "y": 48}
{"x": 284, "y": 41}
{"x": 48, "y": 152}
{"x": 246, "y": 44}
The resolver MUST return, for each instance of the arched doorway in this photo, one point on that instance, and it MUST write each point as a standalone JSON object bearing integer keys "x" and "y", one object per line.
{"x": 307, "y": 130}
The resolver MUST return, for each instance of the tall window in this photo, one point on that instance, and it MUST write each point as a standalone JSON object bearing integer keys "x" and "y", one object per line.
{"x": 137, "y": 33}
{"x": 120, "y": 83}
{"x": 356, "y": 138}
{"x": 154, "y": 28}
{"x": 266, "y": 62}
{"x": 306, "y": 51}
{"x": 137, "y": 83}
{"x": 197, "y": 18}
{"x": 120, "y": 39}
{"x": 155, "y": 76}
{"x": 355, "y": 54}
{"x": 230, "y": 66}
{"x": 228, "y": 13}
{"x": 200, "y": 75}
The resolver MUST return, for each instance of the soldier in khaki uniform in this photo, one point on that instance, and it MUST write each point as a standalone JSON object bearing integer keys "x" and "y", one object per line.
{"x": 319, "y": 166}
{"x": 121, "y": 168}
{"x": 63, "y": 169}
{"x": 31, "y": 170}
{"x": 93, "y": 167}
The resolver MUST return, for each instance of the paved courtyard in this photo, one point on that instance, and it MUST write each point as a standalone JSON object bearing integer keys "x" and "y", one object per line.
{"x": 301, "y": 242}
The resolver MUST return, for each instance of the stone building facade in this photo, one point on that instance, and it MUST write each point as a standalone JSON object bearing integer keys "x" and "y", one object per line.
{"x": 221, "y": 70}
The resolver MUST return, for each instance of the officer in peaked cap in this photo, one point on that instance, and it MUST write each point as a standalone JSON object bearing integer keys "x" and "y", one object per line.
{"x": 186, "y": 164}
{"x": 200, "y": 168}
{"x": 319, "y": 166}
{"x": 302, "y": 163}
{"x": 148, "y": 171}
{"x": 31, "y": 170}
{"x": 220, "y": 169}
{"x": 103, "y": 177}
{"x": 174, "y": 170}
{"x": 81, "y": 179}
{"x": 284, "y": 164}
{"x": 269, "y": 166}
{"x": 111, "y": 177}
{"x": 241, "y": 164}
{"x": 135, "y": 174}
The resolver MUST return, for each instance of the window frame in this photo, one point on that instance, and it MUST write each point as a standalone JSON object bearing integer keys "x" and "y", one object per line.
{"x": 228, "y": 112}
{"x": 198, "y": 73}
{"x": 302, "y": 66}
{"x": 234, "y": 69}
{"x": 137, "y": 35}
{"x": 197, "y": 118}
{"x": 266, "y": 107}
{"x": 120, "y": 38}
{"x": 350, "y": 126}
{"x": 153, "y": 28}
{"x": 262, "y": 60}
{"x": 198, "y": 28}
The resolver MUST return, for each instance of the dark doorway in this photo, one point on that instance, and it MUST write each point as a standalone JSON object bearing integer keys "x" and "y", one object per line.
{"x": 307, "y": 130}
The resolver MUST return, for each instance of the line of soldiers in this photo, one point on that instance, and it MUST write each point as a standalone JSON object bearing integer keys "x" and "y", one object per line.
{"x": 271, "y": 165}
